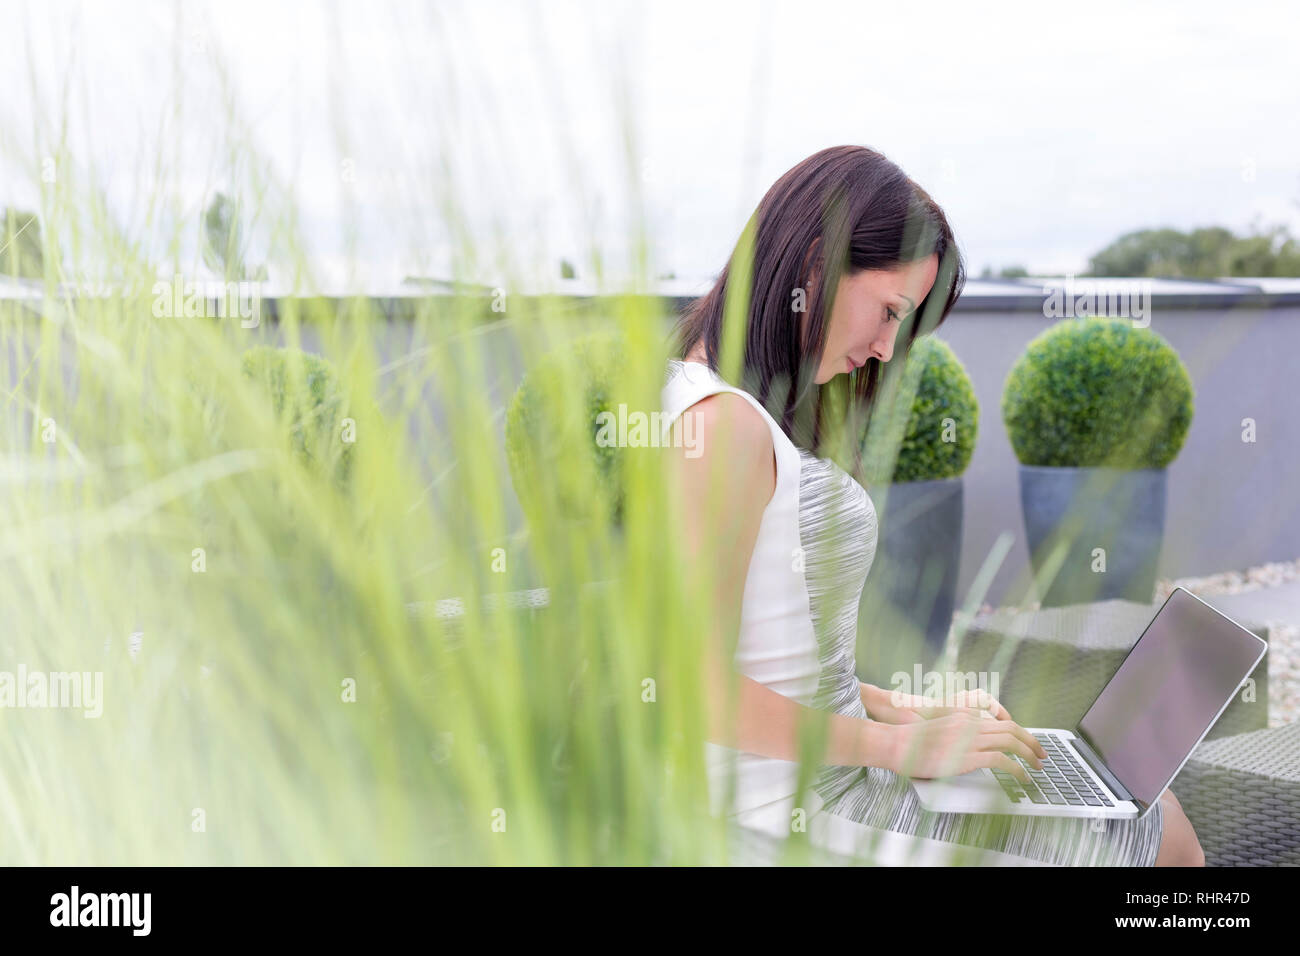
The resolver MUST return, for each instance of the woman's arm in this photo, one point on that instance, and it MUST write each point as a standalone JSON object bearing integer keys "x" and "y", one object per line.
{"x": 898, "y": 708}
{"x": 874, "y": 700}
{"x": 768, "y": 724}
{"x": 723, "y": 492}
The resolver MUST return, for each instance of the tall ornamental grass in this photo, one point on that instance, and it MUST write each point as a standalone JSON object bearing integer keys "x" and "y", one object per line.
{"x": 282, "y": 583}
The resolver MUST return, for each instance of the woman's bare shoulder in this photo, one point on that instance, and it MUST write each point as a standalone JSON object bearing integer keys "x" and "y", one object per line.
{"x": 729, "y": 430}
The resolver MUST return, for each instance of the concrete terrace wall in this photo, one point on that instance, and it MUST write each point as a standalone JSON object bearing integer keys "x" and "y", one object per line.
{"x": 1231, "y": 504}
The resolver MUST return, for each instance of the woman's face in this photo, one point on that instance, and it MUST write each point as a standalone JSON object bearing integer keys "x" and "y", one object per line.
{"x": 869, "y": 308}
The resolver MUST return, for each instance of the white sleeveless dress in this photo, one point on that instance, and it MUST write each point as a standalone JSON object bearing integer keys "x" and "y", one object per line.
{"x": 798, "y": 635}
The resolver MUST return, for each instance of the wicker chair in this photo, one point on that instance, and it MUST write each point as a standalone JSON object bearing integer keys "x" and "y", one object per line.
{"x": 1242, "y": 796}
{"x": 1241, "y": 787}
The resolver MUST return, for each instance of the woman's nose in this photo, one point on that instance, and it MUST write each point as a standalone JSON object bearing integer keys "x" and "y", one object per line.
{"x": 884, "y": 346}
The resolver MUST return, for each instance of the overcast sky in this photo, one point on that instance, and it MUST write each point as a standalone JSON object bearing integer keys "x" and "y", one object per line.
{"x": 542, "y": 129}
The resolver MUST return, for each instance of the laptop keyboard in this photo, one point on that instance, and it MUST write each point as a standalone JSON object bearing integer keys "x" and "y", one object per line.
{"x": 1060, "y": 781}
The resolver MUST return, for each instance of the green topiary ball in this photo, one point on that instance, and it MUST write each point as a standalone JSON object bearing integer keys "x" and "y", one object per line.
{"x": 936, "y": 437}
{"x": 315, "y": 412}
{"x": 1098, "y": 392}
{"x": 556, "y": 464}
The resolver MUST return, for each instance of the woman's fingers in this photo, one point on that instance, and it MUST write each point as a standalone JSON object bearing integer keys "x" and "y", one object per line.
{"x": 1000, "y": 761}
{"x": 947, "y": 711}
{"x": 983, "y": 700}
{"x": 976, "y": 701}
{"x": 1010, "y": 743}
{"x": 961, "y": 742}
{"x": 1020, "y": 740}
{"x": 998, "y": 711}
{"x": 1010, "y": 726}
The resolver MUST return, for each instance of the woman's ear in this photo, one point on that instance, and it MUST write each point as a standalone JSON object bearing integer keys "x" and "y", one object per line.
{"x": 812, "y": 263}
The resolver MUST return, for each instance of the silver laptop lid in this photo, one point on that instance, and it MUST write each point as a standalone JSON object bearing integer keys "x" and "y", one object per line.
{"x": 1171, "y": 688}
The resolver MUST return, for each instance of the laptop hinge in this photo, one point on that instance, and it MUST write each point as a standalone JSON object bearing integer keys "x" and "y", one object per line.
{"x": 1091, "y": 758}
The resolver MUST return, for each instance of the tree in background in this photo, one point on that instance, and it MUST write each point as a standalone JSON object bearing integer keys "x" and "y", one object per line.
{"x": 1006, "y": 272}
{"x": 222, "y": 238}
{"x": 20, "y": 245}
{"x": 224, "y": 245}
{"x": 1202, "y": 253}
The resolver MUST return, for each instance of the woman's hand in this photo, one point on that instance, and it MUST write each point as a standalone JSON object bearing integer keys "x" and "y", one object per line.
{"x": 893, "y": 707}
{"x": 960, "y": 742}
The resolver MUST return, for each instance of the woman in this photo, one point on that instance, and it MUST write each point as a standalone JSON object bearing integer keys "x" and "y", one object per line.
{"x": 850, "y": 259}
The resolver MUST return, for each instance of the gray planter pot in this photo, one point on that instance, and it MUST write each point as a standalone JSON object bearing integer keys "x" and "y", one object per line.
{"x": 1079, "y": 510}
{"x": 907, "y": 602}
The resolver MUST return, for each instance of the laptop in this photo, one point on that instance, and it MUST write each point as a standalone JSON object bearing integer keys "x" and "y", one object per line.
{"x": 1171, "y": 688}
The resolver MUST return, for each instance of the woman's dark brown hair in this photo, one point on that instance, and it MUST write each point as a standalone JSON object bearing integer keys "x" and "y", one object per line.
{"x": 839, "y": 212}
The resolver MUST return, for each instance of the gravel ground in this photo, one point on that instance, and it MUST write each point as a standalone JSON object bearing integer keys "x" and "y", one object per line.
{"x": 1283, "y": 636}
{"x": 1283, "y": 639}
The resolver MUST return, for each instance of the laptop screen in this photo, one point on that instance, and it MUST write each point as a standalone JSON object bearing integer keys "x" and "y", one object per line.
{"x": 1171, "y": 687}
